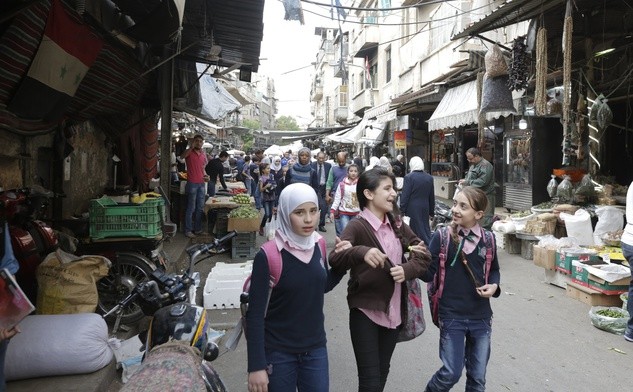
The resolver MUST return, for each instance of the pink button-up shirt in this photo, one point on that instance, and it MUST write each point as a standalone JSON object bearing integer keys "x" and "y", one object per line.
{"x": 391, "y": 245}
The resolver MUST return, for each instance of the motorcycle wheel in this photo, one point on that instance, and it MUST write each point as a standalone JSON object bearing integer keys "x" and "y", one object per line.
{"x": 128, "y": 271}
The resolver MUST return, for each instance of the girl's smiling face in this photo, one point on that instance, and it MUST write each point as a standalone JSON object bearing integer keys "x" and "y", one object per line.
{"x": 381, "y": 200}
{"x": 352, "y": 173}
{"x": 304, "y": 219}
{"x": 463, "y": 213}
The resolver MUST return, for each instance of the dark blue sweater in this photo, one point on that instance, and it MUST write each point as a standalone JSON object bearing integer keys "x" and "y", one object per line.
{"x": 460, "y": 299}
{"x": 294, "y": 321}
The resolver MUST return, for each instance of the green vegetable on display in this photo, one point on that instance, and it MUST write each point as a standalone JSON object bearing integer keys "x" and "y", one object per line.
{"x": 241, "y": 199}
{"x": 611, "y": 313}
{"x": 245, "y": 212}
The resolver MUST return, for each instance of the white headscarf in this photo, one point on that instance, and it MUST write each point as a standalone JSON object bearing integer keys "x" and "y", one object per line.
{"x": 373, "y": 162}
{"x": 276, "y": 165}
{"x": 384, "y": 163}
{"x": 290, "y": 198}
{"x": 416, "y": 164}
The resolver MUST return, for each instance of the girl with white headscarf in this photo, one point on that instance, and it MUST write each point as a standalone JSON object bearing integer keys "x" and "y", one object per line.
{"x": 286, "y": 333}
{"x": 373, "y": 162}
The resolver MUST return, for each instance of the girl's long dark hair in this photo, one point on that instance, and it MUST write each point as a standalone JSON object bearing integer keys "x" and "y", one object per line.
{"x": 370, "y": 180}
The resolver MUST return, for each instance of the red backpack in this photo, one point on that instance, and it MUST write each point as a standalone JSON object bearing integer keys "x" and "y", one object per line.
{"x": 435, "y": 287}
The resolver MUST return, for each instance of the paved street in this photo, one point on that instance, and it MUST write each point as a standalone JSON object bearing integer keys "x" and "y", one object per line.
{"x": 542, "y": 341}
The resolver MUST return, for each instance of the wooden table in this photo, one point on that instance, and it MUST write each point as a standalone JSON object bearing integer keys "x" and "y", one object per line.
{"x": 217, "y": 202}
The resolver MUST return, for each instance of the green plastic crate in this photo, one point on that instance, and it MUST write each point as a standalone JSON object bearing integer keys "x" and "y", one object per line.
{"x": 111, "y": 219}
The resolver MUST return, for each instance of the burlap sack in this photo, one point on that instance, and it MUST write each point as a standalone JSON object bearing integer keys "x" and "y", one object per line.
{"x": 68, "y": 283}
{"x": 495, "y": 63}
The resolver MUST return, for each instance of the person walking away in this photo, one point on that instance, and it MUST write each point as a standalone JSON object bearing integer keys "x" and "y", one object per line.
{"x": 627, "y": 250}
{"x": 373, "y": 162}
{"x": 9, "y": 262}
{"x": 255, "y": 161}
{"x": 246, "y": 175}
{"x": 399, "y": 162}
{"x": 465, "y": 315}
{"x": 481, "y": 175}
{"x": 345, "y": 204}
{"x": 239, "y": 166}
{"x": 196, "y": 160}
{"x": 337, "y": 174}
{"x": 286, "y": 343}
{"x": 215, "y": 169}
{"x": 302, "y": 171}
{"x": 417, "y": 200}
{"x": 385, "y": 164}
{"x": 375, "y": 294}
{"x": 267, "y": 187}
{"x": 322, "y": 170}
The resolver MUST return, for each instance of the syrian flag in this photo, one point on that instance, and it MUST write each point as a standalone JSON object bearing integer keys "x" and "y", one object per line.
{"x": 67, "y": 50}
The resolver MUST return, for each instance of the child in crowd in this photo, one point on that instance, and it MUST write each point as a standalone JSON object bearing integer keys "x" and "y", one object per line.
{"x": 465, "y": 315}
{"x": 286, "y": 333}
{"x": 267, "y": 186}
{"x": 345, "y": 204}
{"x": 376, "y": 296}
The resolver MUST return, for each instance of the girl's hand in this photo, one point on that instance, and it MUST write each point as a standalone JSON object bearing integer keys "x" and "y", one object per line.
{"x": 420, "y": 250}
{"x": 487, "y": 290}
{"x": 341, "y": 245}
{"x": 375, "y": 258}
{"x": 397, "y": 273}
{"x": 258, "y": 381}
{"x": 9, "y": 333}
{"x": 332, "y": 216}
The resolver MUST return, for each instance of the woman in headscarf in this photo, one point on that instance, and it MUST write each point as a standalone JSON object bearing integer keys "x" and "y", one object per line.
{"x": 373, "y": 162}
{"x": 302, "y": 171}
{"x": 286, "y": 334}
{"x": 417, "y": 200}
{"x": 385, "y": 164}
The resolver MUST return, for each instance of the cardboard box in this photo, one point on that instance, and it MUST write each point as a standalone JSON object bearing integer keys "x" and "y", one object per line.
{"x": 611, "y": 288}
{"x": 244, "y": 224}
{"x": 578, "y": 272}
{"x": 544, "y": 257}
{"x": 557, "y": 278}
{"x": 591, "y": 297}
{"x": 564, "y": 259}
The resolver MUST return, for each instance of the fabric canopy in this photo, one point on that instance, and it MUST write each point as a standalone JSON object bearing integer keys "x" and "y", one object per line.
{"x": 458, "y": 107}
{"x": 217, "y": 103}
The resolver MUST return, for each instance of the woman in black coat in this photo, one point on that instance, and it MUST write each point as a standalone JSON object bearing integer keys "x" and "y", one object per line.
{"x": 417, "y": 200}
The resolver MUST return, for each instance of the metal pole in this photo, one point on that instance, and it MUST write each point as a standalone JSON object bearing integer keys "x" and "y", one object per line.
{"x": 167, "y": 77}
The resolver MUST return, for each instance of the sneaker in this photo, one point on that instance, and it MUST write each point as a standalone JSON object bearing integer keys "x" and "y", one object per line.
{"x": 261, "y": 231}
{"x": 628, "y": 338}
{"x": 190, "y": 235}
{"x": 200, "y": 232}
{"x": 322, "y": 228}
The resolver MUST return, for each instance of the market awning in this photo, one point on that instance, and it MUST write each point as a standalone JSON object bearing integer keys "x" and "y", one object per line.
{"x": 235, "y": 92}
{"x": 507, "y": 13}
{"x": 459, "y": 107}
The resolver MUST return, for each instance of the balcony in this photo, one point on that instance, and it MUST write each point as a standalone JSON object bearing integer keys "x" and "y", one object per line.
{"x": 364, "y": 100}
{"x": 366, "y": 41}
{"x": 317, "y": 93}
{"x": 340, "y": 114}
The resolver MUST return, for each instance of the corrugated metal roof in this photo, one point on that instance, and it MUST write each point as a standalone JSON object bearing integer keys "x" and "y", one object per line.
{"x": 509, "y": 12}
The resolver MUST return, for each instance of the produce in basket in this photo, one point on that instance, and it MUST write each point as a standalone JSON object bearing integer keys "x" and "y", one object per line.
{"x": 612, "y": 238}
{"x": 609, "y": 319}
{"x": 241, "y": 198}
{"x": 246, "y": 212}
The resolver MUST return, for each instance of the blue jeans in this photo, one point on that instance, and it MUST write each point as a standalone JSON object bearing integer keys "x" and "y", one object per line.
{"x": 627, "y": 250}
{"x": 248, "y": 184}
{"x": 257, "y": 195}
{"x": 195, "y": 203}
{"x": 268, "y": 212}
{"x": 304, "y": 372}
{"x": 463, "y": 343}
{"x": 341, "y": 222}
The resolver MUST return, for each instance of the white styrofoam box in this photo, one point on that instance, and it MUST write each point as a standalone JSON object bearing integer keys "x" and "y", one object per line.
{"x": 224, "y": 284}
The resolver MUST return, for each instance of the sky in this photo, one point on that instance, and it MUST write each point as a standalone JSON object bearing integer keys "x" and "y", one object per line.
{"x": 288, "y": 45}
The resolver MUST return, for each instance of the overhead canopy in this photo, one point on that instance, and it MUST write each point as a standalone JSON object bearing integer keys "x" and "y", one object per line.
{"x": 459, "y": 107}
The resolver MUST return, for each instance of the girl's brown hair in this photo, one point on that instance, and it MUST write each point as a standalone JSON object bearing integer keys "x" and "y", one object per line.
{"x": 477, "y": 200}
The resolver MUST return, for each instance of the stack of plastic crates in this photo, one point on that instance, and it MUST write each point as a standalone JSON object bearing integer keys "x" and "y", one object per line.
{"x": 111, "y": 219}
{"x": 222, "y": 222}
{"x": 243, "y": 246}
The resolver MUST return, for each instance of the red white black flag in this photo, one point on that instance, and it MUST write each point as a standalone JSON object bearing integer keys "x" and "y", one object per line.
{"x": 66, "y": 53}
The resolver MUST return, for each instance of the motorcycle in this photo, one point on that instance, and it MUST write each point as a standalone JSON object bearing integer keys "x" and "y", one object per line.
{"x": 32, "y": 239}
{"x": 443, "y": 215}
{"x": 168, "y": 298}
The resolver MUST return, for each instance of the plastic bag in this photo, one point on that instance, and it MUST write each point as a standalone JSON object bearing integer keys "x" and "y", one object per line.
{"x": 609, "y": 219}
{"x": 579, "y": 226}
{"x": 609, "y": 324}
{"x": 564, "y": 191}
{"x": 495, "y": 62}
{"x": 552, "y": 185}
{"x": 271, "y": 228}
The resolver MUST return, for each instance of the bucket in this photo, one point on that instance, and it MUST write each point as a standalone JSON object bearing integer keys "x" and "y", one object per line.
{"x": 625, "y": 299}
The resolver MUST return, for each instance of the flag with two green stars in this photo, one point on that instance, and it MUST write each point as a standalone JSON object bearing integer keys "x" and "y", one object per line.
{"x": 65, "y": 54}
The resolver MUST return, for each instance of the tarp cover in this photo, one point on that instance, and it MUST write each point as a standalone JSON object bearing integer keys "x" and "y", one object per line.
{"x": 217, "y": 103}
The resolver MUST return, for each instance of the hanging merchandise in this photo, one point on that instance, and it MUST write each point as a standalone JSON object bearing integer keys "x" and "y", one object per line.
{"x": 552, "y": 186}
{"x": 601, "y": 112}
{"x": 564, "y": 192}
{"x": 496, "y": 97}
{"x": 518, "y": 74}
{"x": 585, "y": 193}
{"x": 495, "y": 63}
{"x": 567, "y": 48}
{"x": 540, "y": 92}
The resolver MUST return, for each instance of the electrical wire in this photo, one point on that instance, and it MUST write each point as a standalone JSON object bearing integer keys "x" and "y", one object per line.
{"x": 420, "y": 3}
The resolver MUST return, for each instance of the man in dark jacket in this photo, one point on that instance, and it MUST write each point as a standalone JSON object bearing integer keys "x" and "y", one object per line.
{"x": 322, "y": 170}
{"x": 215, "y": 169}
